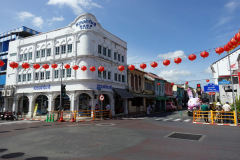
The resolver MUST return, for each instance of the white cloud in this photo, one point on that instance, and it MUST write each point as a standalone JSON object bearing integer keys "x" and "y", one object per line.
{"x": 231, "y": 6}
{"x": 38, "y": 22}
{"x": 208, "y": 70}
{"x": 175, "y": 75}
{"x": 24, "y": 15}
{"x": 57, "y": 19}
{"x": 78, "y": 6}
{"x": 174, "y": 54}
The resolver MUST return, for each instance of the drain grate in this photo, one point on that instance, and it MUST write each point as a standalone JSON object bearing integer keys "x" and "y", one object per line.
{"x": 187, "y": 136}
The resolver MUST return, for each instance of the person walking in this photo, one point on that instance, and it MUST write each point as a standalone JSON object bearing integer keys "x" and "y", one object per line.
{"x": 219, "y": 114}
{"x": 204, "y": 107}
{"x": 227, "y": 108}
{"x": 97, "y": 111}
{"x": 108, "y": 108}
{"x": 212, "y": 108}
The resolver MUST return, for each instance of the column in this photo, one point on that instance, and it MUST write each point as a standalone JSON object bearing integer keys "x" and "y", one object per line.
{"x": 125, "y": 105}
{"x": 72, "y": 102}
{"x": 31, "y": 107}
{"x": 5, "y": 104}
{"x": 50, "y": 104}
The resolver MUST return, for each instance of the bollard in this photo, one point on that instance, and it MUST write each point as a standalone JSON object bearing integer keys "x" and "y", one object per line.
{"x": 52, "y": 120}
{"x": 46, "y": 119}
{"x": 50, "y": 117}
{"x": 212, "y": 116}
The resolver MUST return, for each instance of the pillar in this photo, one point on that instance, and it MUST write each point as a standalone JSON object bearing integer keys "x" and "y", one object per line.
{"x": 5, "y": 108}
{"x": 50, "y": 104}
{"x": 31, "y": 107}
{"x": 125, "y": 105}
{"x": 72, "y": 108}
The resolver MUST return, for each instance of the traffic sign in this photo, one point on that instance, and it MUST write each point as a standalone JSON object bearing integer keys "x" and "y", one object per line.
{"x": 211, "y": 88}
{"x": 101, "y": 97}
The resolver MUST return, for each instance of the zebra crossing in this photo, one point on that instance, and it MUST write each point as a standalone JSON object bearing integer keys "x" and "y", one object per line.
{"x": 173, "y": 119}
{"x": 16, "y": 122}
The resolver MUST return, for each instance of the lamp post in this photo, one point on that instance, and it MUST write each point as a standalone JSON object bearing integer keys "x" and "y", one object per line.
{"x": 22, "y": 105}
{"x": 60, "y": 108}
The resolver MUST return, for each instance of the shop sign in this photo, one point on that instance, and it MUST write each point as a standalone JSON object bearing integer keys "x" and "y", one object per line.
{"x": 100, "y": 87}
{"x": 86, "y": 24}
{"x": 42, "y": 87}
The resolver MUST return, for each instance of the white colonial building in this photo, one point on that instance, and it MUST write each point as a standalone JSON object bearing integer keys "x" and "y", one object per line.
{"x": 84, "y": 43}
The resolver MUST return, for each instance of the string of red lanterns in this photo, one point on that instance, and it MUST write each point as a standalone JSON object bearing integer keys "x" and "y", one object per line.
{"x": 1, "y": 63}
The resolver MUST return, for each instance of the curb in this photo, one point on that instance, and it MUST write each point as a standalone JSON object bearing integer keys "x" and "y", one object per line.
{"x": 32, "y": 119}
{"x": 221, "y": 124}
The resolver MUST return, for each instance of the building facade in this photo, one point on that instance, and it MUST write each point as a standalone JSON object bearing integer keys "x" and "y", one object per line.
{"x": 83, "y": 43}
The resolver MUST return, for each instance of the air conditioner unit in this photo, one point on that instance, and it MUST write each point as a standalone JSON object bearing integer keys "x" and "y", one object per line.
{"x": 3, "y": 93}
{"x": 9, "y": 92}
{"x": 11, "y": 86}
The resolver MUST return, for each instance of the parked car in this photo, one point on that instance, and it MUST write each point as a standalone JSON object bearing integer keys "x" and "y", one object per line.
{"x": 170, "y": 106}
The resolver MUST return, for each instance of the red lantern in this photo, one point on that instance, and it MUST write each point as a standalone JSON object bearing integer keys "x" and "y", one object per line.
{"x": 233, "y": 41}
{"x": 92, "y": 68}
{"x": 226, "y": 48}
{"x": 154, "y": 64}
{"x": 121, "y": 68}
{"x": 204, "y": 54}
{"x": 25, "y": 65}
{"x": 101, "y": 68}
{"x": 54, "y": 66}
{"x": 131, "y": 67}
{"x": 45, "y": 66}
{"x": 158, "y": 84}
{"x": 172, "y": 83}
{"x": 75, "y": 67}
{"x": 166, "y": 62}
{"x": 13, "y": 65}
{"x": 186, "y": 82}
{"x": 83, "y": 68}
{"x": 36, "y": 66}
{"x": 237, "y": 37}
{"x": 219, "y": 50}
{"x": 178, "y": 60}
{"x": 143, "y": 65}
{"x": 207, "y": 80}
{"x": 192, "y": 57}
{"x": 67, "y": 66}
{"x": 1, "y": 63}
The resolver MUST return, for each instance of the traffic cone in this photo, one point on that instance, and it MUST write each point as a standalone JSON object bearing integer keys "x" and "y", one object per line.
{"x": 47, "y": 118}
{"x": 61, "y": 118}
{"x": 72, "y": 118}
{"x": 52, "y": 118}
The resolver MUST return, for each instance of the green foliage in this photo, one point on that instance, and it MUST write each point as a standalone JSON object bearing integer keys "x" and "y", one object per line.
{"x": 237, "y": 102}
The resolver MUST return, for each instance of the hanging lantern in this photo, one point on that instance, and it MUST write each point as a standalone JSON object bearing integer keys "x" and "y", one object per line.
{"x": 83, "y": 68}
{"x": 237, "y": 37}
{"x": 207, "y": 80}
{"x": 54, "y": 66}
{"x": 75, "y": 67}
{"x": 192, "y": 57}
{"x": 25, "y": 65}
{"x": 67, "y": 66}
{"x": 101, "y": 68}
{"x": 1, "y": 63}
{"x": 233, "y": 41}
{"x": 121, "y": 68}
{"x": 45, "y": 66}
{"x": 143, "y": 65}
{"x": 219, "y": 50}
{"x": 13, "y": 65}
{"x": 230, "y": 45}
{"x": 36, "y": 66}
{"x": 166, "y": 62}
{"x": 154, "y": 64}
{"x": 186, "y": 82}
{"x": 158, "y": 84}
{"x": 92, "y": 68}
{"x": 178, "y": 60}
{"x": 204, "y": 54}
{"x": 226, "y": 48}
{"x": 172, "y": 83}
{"x": 131, "y": 67}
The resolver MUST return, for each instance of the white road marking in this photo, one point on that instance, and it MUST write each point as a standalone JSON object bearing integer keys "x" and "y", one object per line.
{"x": 187, "y": 120}
{"x": 18, "y": 122}
{"x": 167, "y": 119}
{"x": 177, "y": 119}
{"x": 158, "y": 119}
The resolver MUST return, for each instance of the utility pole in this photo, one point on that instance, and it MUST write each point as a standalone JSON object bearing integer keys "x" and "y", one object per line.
{"x": 60, "y": 108}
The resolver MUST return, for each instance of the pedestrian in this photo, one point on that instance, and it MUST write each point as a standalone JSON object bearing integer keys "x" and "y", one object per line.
{"x": 149, "y": 109}
{"x": 219, "y": 114}
{"x": 97, "y": 111}
{"x": 212, "y": 108}
{"x": 227, "y": 108}
{"x": 108, "y": 108}
{"x": 204, "y": 107}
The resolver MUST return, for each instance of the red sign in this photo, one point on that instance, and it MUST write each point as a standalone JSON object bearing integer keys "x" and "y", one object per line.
{"x": 101, "y": 97}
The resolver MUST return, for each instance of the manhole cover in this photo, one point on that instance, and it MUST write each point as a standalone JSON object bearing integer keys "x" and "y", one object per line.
{"x": 187, "y": 136}
{"x": 105, "y": 124}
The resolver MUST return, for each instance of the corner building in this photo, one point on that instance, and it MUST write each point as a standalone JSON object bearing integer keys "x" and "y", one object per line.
{"x": 84, "y": 43}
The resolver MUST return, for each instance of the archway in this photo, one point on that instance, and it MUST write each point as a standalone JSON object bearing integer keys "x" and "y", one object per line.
{"x": 65, "y": 103}
{"x": 119, "y": 104}
{"x": 84, "y": 102}
{"x": 104, "y": 103}
{"x": 42, "y": 105}
{"x": 23, "y": 105}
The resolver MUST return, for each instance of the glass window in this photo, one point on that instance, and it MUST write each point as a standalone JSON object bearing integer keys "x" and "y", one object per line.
{"x": 19, "y": 78}
{"x": 69, "y": 72}
{"x": 30, "y": 55}
{"x": 63, "y": 49}
{"x": 109, "y": 53}
{"x": 109, "y": 75}
{"x": 104, "y": 51}
{"x": 63, "y": 73}
{"x": 56, "y": 73}
{"x": 122, "y": 58}
{"x": 123, "y": 78}
{"x": 25, "y": 56}
{"x": 69, "y": 48}
{"x": 99, "y": 74}
{"x": 41, "y": 75}
{"x": 37, "y": 76}
{"x": 57, "y": 50}
{"x": 119, "y": 57}
{"x": 29, "y": 76}
{"x": 24, "y": 77}
{"x": 119, "y": 77}
{"x": 115, "y": 76}
{"x": 115, "y": 55}
{"x": 43, "y": 53}
{"x": 99, "y": 49}
{"x": 21, "y": 57}
{"x": 49, "y": 52}
{"x": 104, "y": 74}
{"x": 47, "y": 74}
{"x": 38, "y": 54}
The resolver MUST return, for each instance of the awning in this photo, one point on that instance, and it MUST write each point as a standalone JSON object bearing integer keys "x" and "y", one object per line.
{"x": 123, "y": 93}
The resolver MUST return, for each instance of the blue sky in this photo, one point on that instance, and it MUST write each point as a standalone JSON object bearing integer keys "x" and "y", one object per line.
{"x": 153, "y": 29}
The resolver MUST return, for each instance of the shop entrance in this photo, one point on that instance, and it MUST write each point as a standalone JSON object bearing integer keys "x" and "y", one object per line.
{"x": 65, "y": 103}
{"x": 42, "y": 105}
{"x": 23, "y": 105}
{"x": 84, "y": 102}
{"x": 119, "y": 105}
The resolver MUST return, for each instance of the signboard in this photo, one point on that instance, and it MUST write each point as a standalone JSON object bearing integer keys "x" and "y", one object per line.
{"x": 234, "y": 66}
{"x": 227, "y": 80}
{"x": 211, "y": 88}
{"x": 101, "y": 97}
{"x": 105, "y": 87}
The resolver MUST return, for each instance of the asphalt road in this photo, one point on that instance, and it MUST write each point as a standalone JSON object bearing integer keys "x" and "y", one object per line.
{"x": 144, "y": 138}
